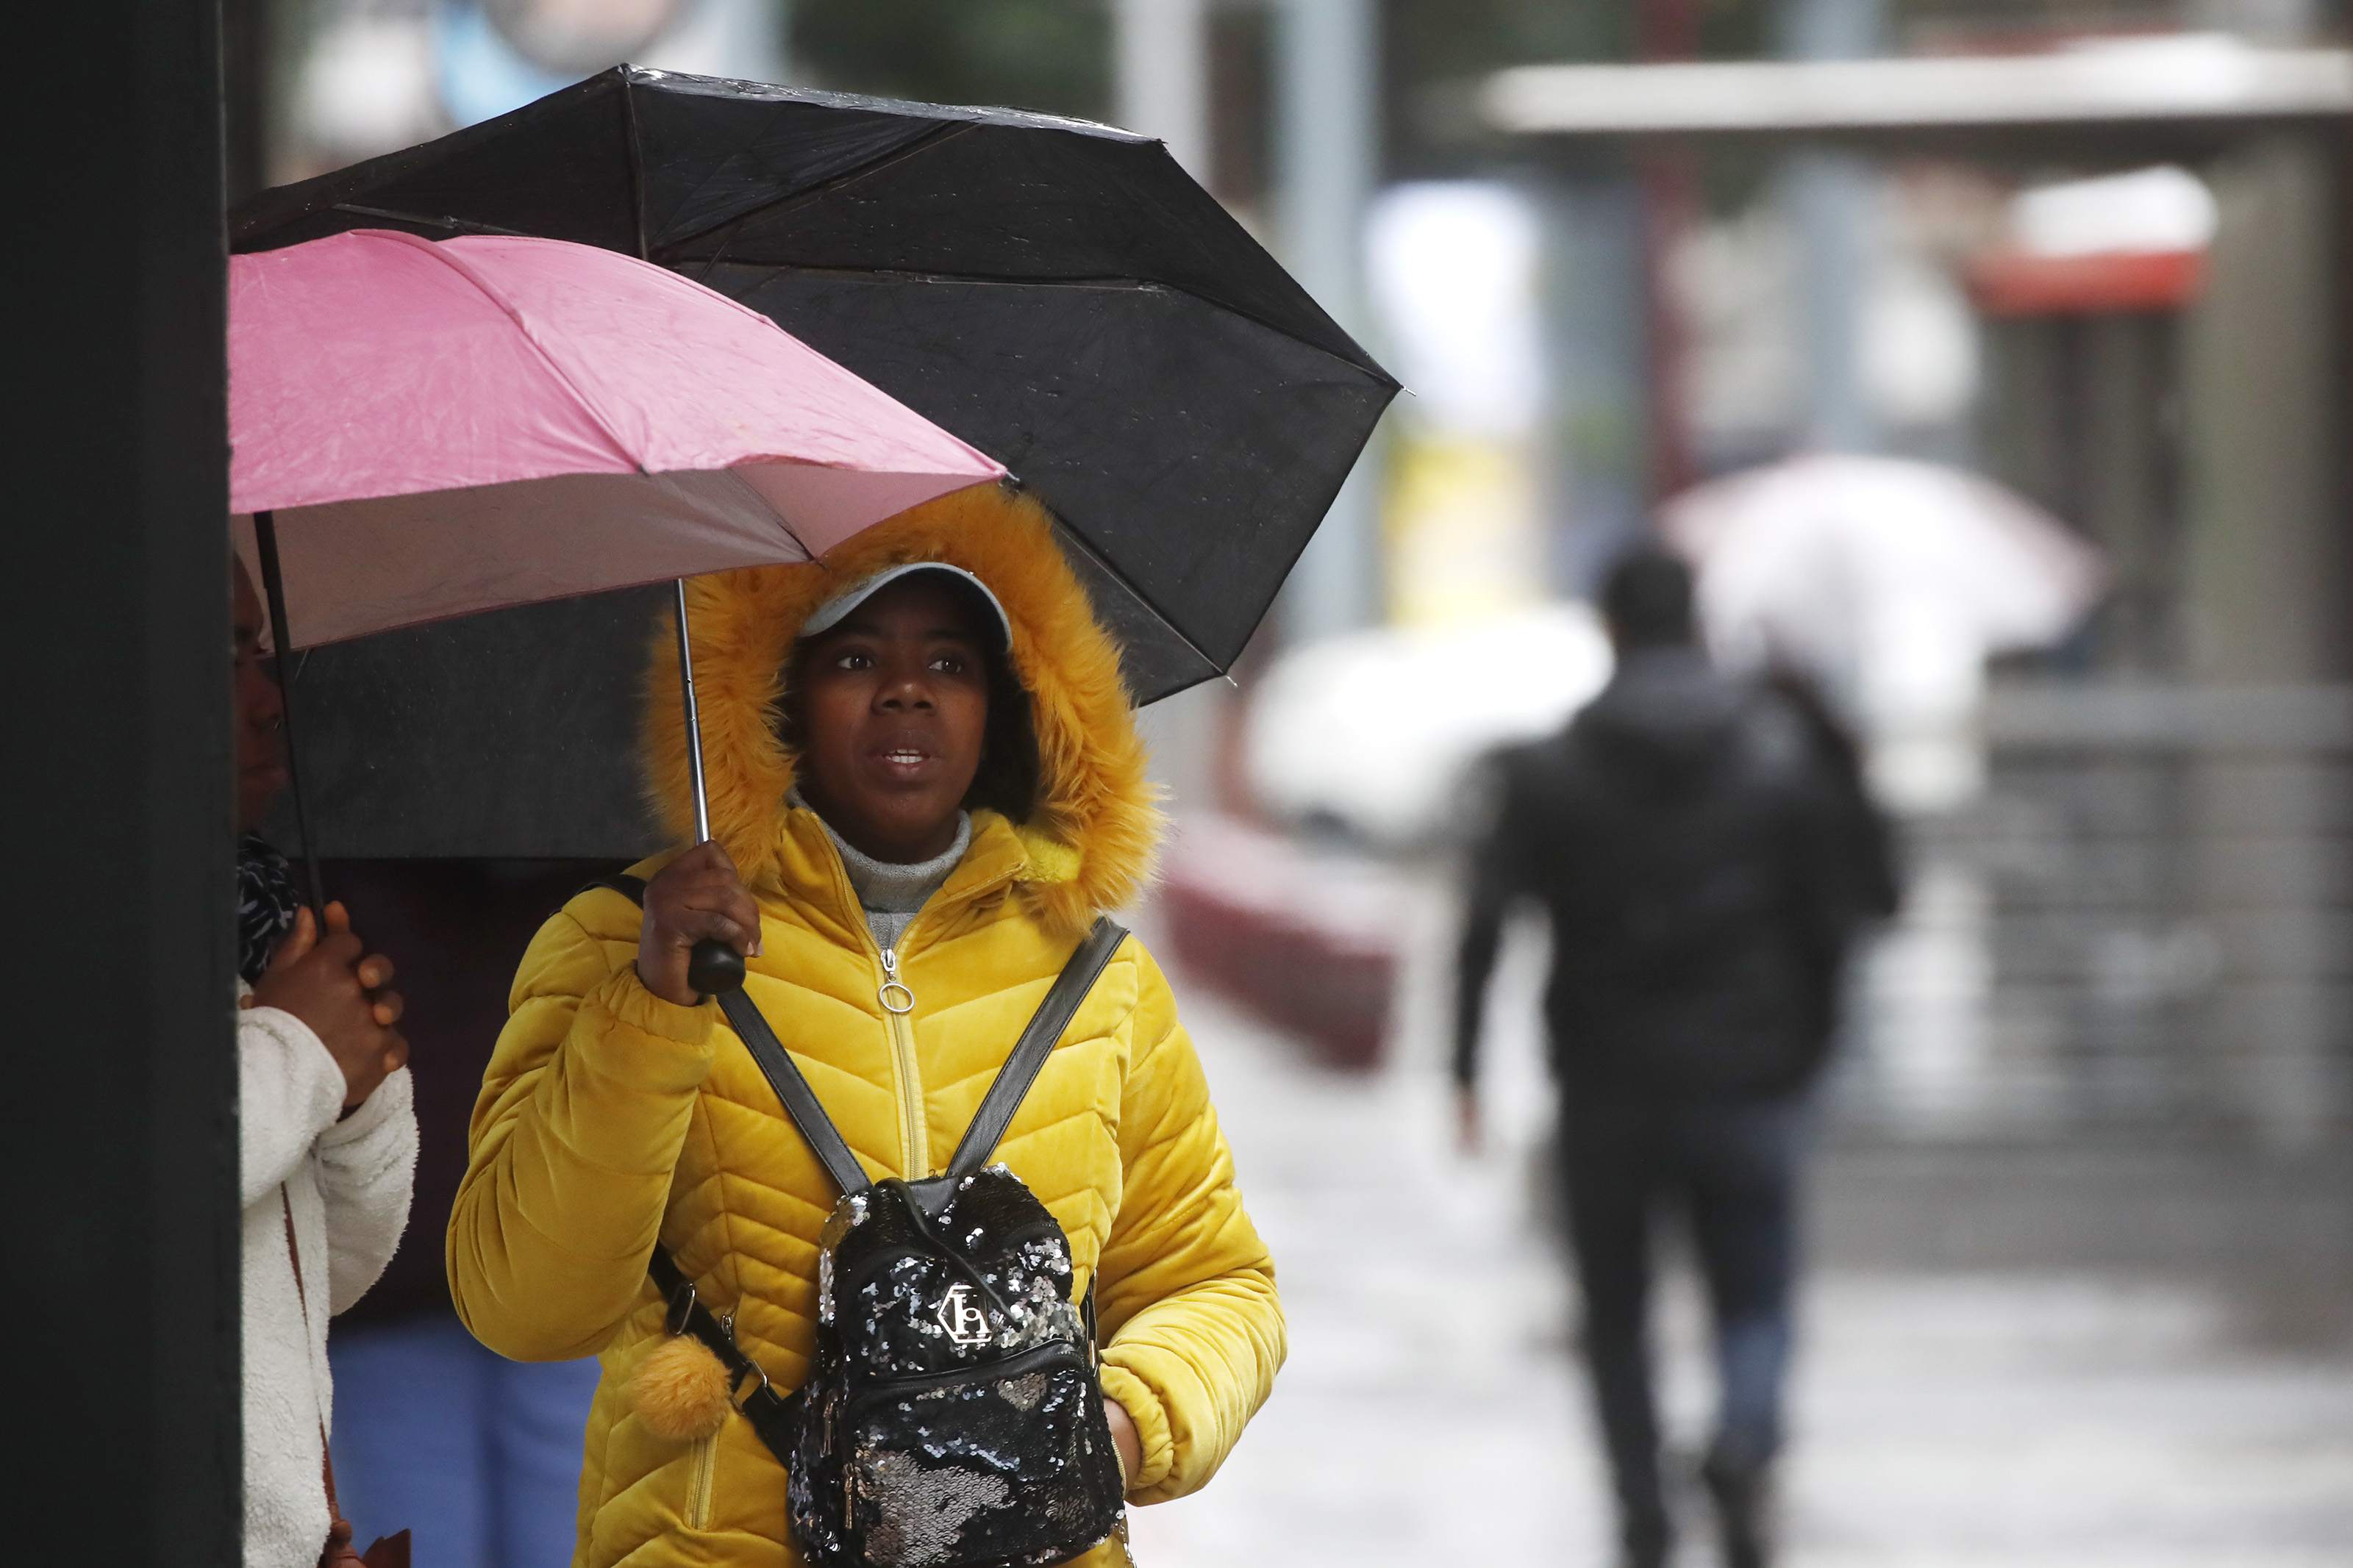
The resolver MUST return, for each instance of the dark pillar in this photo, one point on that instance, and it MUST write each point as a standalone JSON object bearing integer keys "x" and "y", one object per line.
{"x": 119, "y": 1106}
{"x": 247, "y": 29}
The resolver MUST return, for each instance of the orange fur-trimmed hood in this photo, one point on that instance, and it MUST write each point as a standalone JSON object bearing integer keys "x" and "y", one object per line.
{"x": 1089, "y": 842}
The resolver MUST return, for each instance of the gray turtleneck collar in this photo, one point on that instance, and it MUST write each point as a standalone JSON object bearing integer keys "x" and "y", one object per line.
{"x": 891, "y": 894}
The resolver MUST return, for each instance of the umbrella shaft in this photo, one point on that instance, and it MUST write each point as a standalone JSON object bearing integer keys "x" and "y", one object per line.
{"x": 694, "y": 720}
{"x": 273, "y": 588}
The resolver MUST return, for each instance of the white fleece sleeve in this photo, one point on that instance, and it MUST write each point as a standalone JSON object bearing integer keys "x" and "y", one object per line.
{"x": 367, "y": 1171}
{"x": 288, "y": 1091}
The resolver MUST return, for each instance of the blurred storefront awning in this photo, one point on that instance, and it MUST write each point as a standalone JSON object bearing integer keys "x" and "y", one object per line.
{"x": 2010, "y": 283}
{"x": 2188, "y": 83}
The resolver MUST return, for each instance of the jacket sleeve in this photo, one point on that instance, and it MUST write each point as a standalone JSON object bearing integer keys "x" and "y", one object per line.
{"x": 367, "y": 1170}
{"x": 1497, "y": 875}
{"x": 584, "y": 1108}
{"x": 288, "y": 1091}
{"x": 1188, "y": 1298}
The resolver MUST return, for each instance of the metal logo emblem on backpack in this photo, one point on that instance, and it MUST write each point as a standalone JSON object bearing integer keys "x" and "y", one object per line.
{"x": 965, "y": 1323}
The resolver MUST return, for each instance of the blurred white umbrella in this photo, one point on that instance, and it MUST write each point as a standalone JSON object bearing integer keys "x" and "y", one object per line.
{"x": 1377, "y": 729}
{"x": 1890, "y": 582}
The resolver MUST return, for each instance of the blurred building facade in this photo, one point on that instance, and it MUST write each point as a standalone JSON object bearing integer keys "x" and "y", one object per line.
{"x": 2139, "y": 320}
{"x": 2169, "y": 816}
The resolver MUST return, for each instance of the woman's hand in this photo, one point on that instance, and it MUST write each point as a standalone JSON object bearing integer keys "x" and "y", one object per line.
{"x": 698, "y": 895}
{"x": 1124, "y": 1438}
{"x": 340, "y": 990}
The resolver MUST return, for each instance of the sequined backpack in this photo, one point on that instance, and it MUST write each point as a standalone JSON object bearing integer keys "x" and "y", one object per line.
{"x": 951, "y": 1416}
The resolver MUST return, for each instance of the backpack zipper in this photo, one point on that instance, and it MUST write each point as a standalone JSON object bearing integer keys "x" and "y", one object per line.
{"x": 890, "y": 1388}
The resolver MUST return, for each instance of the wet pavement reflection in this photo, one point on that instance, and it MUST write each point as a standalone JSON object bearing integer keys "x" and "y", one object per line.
{"x": 1995, "y": 1410}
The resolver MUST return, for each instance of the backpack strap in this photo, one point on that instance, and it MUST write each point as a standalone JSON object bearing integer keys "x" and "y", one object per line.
{"x": 770, "y": 1412}
{"x": 793, "y": 1091}
{"x": 1004, "y": 1096}
{"x": 1038, "y": 1041}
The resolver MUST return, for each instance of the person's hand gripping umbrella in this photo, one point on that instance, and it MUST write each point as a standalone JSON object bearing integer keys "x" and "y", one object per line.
{"x": 424, "y": 430}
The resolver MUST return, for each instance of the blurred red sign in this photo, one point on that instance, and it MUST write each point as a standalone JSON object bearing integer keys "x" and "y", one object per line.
{"x": 2017, "y": 283}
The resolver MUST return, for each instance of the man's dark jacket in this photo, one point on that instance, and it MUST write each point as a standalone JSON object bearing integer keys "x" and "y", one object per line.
{"x": 1704, "y": 850}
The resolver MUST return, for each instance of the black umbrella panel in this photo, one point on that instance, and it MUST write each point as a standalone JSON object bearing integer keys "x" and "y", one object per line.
{"x": 1061, "y": 295}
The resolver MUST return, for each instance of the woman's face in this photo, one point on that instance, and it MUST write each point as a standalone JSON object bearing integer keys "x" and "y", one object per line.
{"x": 894, "y": 705}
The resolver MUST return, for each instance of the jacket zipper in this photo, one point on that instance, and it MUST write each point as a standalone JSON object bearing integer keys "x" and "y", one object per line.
{"x": 706, "y": 1471}
{"x": 897, "y": 1008}
{"x": 915, "y": 1142}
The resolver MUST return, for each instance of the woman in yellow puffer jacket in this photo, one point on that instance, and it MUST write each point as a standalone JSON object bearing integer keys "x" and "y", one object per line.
{"x": 612, "y": 1118}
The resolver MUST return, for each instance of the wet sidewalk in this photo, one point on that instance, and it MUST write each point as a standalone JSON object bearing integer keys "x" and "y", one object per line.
{"x": 2018, "y": 1417}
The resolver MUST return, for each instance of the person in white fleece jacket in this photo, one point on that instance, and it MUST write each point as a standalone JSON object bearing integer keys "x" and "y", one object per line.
{"x": 327, "y": 1141}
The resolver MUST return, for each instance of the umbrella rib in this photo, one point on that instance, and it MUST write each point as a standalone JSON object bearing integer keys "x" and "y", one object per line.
{"x": 456, "y": 263}
{"x": 1086, "y": 547}
{"x": 1134, "y": 285}
{"x": 706, "y": 265}
{"x": 258, "y": 215}
{"x": 910, "y": 275}
{"x": 453, "y": 225}
{"x": 791, "y": 199}
{"x": 637, "y": 170}
{"x": 786, "y": 201}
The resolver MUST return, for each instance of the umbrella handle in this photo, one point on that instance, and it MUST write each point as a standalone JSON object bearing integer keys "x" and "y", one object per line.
{"x": 273, "y": 590}
{"x": 713, "y": 966}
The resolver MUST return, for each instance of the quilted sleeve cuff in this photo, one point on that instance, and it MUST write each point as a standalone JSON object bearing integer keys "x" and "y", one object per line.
{"x": 657, "y": 1044}
{"x": 1151, "y": 1425}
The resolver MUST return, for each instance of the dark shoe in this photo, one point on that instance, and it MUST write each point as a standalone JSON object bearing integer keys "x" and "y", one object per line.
{"x": 1743, "y": 1494}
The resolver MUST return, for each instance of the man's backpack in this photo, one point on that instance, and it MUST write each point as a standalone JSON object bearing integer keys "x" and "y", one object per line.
{"x": 951, "y": 1416}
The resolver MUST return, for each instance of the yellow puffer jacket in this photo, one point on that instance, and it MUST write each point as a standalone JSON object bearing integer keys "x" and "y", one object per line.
{"x": 610, "y": 1119}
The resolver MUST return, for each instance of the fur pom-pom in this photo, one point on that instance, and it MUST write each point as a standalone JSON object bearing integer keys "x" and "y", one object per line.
{"x": 679, "y": 1390}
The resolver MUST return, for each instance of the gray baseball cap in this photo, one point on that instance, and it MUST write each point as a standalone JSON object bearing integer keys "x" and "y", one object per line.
{"x": 835, "y": 610}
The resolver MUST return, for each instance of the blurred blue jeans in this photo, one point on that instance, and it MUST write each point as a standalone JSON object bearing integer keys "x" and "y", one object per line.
{"x": 478, "y": 1456}
{"x": 1731, "y": 1167}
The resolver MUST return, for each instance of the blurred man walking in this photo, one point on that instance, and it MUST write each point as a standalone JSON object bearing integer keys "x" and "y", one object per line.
{"x": 1703, "y": 851}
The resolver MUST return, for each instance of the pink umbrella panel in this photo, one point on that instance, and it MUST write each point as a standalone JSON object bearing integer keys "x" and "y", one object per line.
{"x": 426, "y": 429}
{"x": 444, "y": 427}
